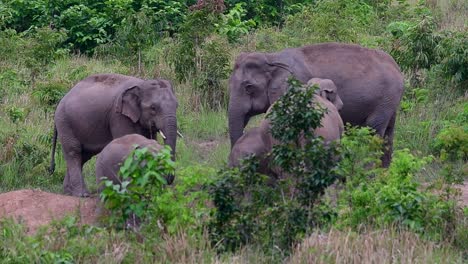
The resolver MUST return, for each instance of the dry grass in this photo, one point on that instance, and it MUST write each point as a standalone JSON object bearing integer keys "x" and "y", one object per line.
{"x": 383, "y": 246}
{"x": 453, "y": 14}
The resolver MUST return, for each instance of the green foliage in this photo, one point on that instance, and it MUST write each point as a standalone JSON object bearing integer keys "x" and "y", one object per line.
{"x": 332, "y": 20}
{"x": 255, "y": 209}
{"x": 142, "y": 180}
{"x": 269, "y": 12}
{"x": 412, "y": 97}
{"x": 414, "y": 45}
{"x": 184, "y": 206}
{"x": 201, "y": 56}
{"x": 49, "y": 94}
{"x": 452, "y": 142}
{"x": 389, "y": 197}
{"x": 453, "y": 53}
{"x": 16, "y": 114}
{"x": 233, "y": 25}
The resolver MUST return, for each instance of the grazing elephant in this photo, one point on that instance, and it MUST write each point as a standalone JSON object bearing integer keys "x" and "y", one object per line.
{"x": 259, "y": 141}
{"x": 103, "y": 107}
{"x": 369, "y": 82}
{"x": 114, "y": 154}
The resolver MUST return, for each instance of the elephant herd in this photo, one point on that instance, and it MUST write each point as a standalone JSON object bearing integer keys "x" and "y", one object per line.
{"x": 111, "y": 113}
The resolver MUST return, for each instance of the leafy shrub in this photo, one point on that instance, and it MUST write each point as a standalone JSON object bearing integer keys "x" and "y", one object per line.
{"x": 16, "y": 114}
{"x": 453, "y": 53}
{"x": 185, "y": 205}
{"x": 201, "y": 56}
{"x": 212, "y": 68}
{"x": 253, "y": 208}
{"x": 142, "y": 180}
{"x": 452, "y": 142}
{"x": 269, "y": 12}
{"x": 49, "y": 94}
{"x": 233, "y": 25}
{"x": 414, "y": 45}
{"x": 382, "y": 197}
{"x": 331, "y": 20}
{"x": 43, "y": 48}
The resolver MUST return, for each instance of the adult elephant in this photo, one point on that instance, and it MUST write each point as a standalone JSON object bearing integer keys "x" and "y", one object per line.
{"x": 103, "y": 107}
{"x": 369, "y": 83}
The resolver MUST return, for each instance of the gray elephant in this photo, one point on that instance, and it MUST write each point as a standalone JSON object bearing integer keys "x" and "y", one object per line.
{"x": 259, "y": 141}
{"x": 369, "y": 82}
{"x": 103, "y": 107}
{"x": 114, "y": 154}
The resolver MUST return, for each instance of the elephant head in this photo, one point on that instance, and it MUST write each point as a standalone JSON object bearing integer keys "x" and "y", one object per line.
{"x": 257, "y": 81}
{"x": 327, "y": 90}
{"x": 152, "y": 105}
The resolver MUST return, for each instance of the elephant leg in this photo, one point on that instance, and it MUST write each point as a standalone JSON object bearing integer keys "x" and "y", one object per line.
{"x": 379, "y": 121}
{"x": 388, "y": 137}
{"x": 73, "y": 183}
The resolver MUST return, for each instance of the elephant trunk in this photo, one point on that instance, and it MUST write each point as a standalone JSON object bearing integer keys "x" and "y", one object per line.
{"x": 170, "y": 131}
{"x": 237, "y": 120}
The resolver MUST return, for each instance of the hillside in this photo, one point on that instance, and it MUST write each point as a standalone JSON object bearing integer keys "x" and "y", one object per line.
{"x": 408, "y": 213}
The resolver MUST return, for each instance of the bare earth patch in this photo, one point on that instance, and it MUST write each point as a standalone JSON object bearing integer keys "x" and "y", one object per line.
{"x": 36, "y": 208}
{"x": 464, "y": 191}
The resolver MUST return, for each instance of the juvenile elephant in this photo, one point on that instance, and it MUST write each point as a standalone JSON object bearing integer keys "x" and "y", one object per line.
{"x": 114, "y": 154}
{"x": 103, "y": 107}
{"x": 369, "y": 82}
{"x": 259, "y": 141}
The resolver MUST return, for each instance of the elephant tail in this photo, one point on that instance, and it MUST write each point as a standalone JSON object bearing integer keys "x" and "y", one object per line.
{"x": 54, "y": 145}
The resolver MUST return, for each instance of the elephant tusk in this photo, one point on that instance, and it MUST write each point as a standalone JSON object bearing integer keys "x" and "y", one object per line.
{"x": 179, "y": 134}
{"x": 162, "y": 134}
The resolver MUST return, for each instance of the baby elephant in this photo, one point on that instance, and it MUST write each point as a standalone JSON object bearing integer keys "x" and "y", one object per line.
{"x": 114, "y": 154}
{"x": 259, "y": 141}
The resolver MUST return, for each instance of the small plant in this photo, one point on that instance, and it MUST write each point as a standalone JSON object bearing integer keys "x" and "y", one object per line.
{"x": 453, "y": 53}
{"x": 49, "y": 94}
{"x": 392, "y": 197}
{"x": 414, "y": 45}
{"x": 233, "y": 26}
{"x": 16, "y": 114}
{"x": 452, "y": 143}
{"x": 142, "y": 181}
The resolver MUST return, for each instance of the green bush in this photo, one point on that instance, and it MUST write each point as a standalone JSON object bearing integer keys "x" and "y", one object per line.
{"x": 185, "y": 205}
{"x": 452, "y": 142}
{"x": 49, "y": 94}
{"x": 414, "y": 45}
{"x": 142, "y": 181}
{"x": 381, "y": 197}
{"x": 453, "y": 53}
{"x": 332, "y": 20}
{"x": 202, "y": 57}
{"x": 233, "y": 25}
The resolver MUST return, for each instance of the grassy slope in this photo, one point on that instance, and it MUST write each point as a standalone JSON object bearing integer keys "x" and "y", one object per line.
{"x": 26, "y": 147}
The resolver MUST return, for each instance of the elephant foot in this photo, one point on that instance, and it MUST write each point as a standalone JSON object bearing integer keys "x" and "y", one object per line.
{"x": 76, "y": 193}
{"x": 170, "y": 179}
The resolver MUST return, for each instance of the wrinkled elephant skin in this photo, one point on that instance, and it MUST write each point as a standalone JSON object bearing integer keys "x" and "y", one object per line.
{"x": 103, "y": 107}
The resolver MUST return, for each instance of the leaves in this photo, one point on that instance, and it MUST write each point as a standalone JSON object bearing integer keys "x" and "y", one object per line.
{"x": 142, "y": 180}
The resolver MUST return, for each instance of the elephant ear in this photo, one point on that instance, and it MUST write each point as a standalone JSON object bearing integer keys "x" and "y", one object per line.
{"x": 278, "y": 84}
{"x": 128, "y": 103}
{"x": 329, "y": 91}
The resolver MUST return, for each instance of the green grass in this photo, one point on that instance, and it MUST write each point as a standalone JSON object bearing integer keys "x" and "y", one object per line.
{"x": 26, "y": 145}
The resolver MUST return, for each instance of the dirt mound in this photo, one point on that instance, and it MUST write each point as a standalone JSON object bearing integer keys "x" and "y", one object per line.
{"x": 35, "y": 208}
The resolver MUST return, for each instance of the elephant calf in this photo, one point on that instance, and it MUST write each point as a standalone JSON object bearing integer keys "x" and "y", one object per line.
{"x": 115, "y": 153}
{"x": 259, "y": 141}
{"x": 104, "y": 107}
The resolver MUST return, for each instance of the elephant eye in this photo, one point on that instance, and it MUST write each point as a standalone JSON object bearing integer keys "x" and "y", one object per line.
{"x": 154, "y": 107}
{"x": 249, "y": 88}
